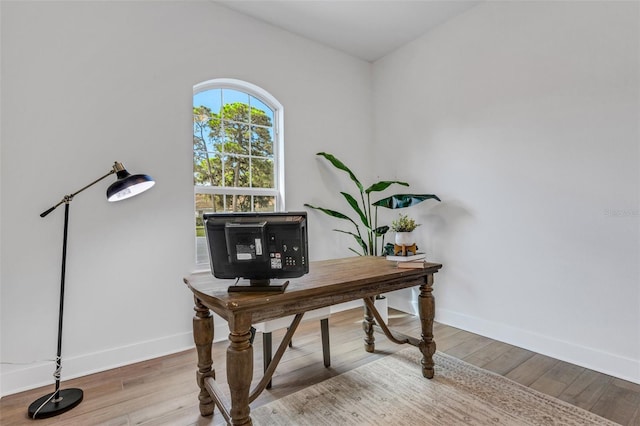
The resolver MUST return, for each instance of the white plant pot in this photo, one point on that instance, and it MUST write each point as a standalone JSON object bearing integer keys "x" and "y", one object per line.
{"x": 405, "y": 238}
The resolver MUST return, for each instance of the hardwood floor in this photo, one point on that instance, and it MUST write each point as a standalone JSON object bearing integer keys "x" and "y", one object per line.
{"x": 163, "y": 391}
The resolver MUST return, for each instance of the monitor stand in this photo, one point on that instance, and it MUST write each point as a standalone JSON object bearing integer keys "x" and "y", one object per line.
{"x": 255, "y": 286}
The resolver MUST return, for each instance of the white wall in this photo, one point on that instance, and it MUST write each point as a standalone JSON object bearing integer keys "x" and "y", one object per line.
{"x": 523, "y": 117}
{"x": 88, "y": 83}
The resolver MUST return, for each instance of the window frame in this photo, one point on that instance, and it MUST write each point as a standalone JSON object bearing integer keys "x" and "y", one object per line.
{"x": 278, "y": 144}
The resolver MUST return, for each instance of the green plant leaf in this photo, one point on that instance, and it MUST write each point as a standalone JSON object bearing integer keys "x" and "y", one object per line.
{"x": 387, "y": 249}
{"x": 381, "y": 230}
{"x": 382, "y": 185}
{"x": 404, "y": 223}
{"x": 400, "y": 201}
{"x": 360, "y": 241}
{"x": 332, "y": 213}
{"x": 354, "y": 205}
{"x": 359, "y": 254}
{"x": 340, "y": 165}
{"x": 367, "y": 237}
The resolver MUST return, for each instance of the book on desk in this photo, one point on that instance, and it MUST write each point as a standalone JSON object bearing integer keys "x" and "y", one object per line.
{"x": 412, "y": 261}
{"x": 416, "y": 264}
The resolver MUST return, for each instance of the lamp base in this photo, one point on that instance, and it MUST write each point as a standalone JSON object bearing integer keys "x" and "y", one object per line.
{"x": 66, "y": 400}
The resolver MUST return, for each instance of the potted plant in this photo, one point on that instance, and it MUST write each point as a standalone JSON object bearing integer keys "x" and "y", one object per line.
{"x": 403, "y": 226}
{"x": 367, "y": 237}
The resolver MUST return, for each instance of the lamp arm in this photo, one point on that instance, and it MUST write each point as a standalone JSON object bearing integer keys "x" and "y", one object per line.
{"x": 68, "y": 198}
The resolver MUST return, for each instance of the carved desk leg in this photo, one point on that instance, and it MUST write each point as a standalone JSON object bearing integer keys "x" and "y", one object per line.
{"x": 367, "y": 326}
{"x": 240, "y": 368}
{"x": 427, "y": 308}
{"x": 203, "y": 337}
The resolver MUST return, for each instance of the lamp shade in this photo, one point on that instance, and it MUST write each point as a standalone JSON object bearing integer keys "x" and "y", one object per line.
{"x": 128, "y": 185}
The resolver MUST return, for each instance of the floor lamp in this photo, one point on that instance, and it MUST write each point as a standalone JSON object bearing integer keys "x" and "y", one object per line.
{"x": 125, "y": 187}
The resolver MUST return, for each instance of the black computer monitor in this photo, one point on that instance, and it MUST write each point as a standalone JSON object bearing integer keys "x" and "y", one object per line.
{"x": 258, "y": 247}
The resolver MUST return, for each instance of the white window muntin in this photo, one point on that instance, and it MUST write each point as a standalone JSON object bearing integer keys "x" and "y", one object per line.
{"x": 278, "y": 142}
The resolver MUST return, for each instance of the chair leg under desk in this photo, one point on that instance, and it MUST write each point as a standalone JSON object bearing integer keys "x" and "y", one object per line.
{"x": 266, "y": 353}
{"x": 267, "y": 347}
{"x": 324, "y": 331}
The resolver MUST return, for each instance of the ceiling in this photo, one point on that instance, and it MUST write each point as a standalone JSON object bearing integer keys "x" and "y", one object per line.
{"x": 366, "y": 29}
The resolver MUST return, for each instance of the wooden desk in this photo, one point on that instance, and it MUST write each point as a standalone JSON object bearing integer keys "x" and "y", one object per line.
{"x": 328, "y": 283}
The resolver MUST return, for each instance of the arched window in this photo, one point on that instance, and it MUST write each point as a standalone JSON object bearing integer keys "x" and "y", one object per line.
{"x": 238, "y": 155}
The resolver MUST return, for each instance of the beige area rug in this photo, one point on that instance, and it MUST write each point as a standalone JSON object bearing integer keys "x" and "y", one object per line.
{"x": 392, "y": 391}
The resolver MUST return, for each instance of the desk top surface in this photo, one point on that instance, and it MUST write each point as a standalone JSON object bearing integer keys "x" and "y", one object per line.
{"x": 325, "y": 278}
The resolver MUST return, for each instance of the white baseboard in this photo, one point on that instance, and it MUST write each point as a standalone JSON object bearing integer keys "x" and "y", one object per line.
{"x": 591, "y": 358}
{"x": 18, "y": 378}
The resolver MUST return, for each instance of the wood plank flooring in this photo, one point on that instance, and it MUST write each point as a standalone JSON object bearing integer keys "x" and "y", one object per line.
{"x": 163, "y": 391}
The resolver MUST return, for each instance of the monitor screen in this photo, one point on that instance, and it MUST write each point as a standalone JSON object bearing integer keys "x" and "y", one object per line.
{"x": 258, "y": 247}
